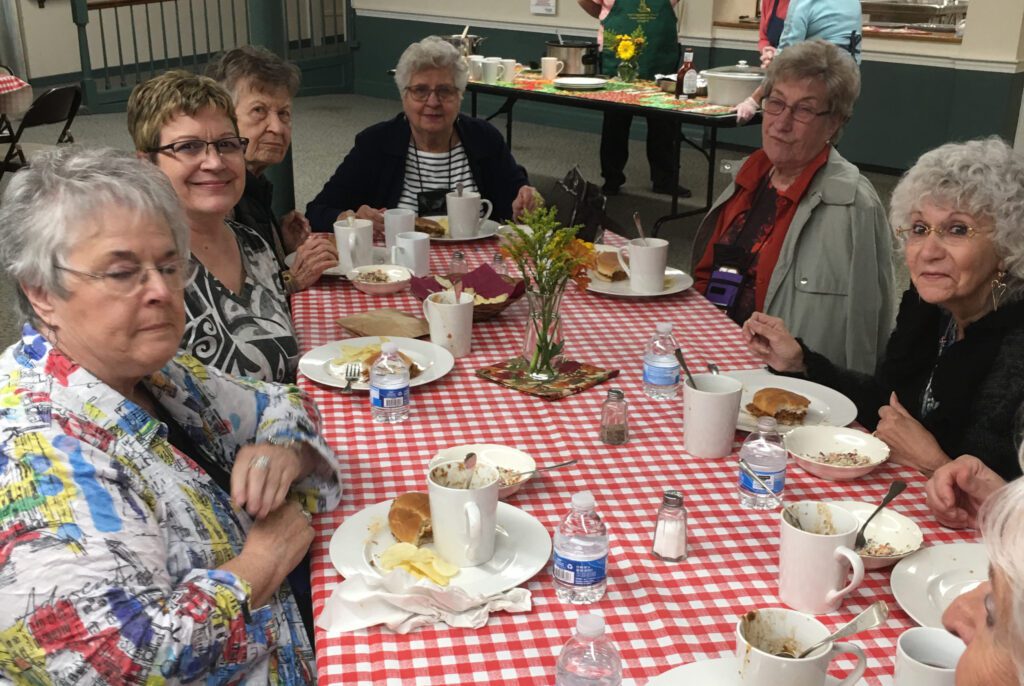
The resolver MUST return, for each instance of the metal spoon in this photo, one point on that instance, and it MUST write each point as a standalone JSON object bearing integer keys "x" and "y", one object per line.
{"x": 682, "y": 363}
{"x": 559, "y": 34}
{"x": 875, "y": 615}
{"x": 897, "y": 487}
{"x": 508, "y": 478}
{"x": 713, "y": 368}
{"x": 786, "y": 512}
{"x": 470, "y": 464}
{"x": 458, "y": 186}
{"x": 639, "y": 227}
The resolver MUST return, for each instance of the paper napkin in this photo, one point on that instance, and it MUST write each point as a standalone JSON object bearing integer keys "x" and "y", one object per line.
{"x": 405, "y": 603}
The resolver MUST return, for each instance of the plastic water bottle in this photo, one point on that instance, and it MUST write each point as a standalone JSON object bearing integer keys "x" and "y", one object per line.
{"x": 581, "y": 553}
{"x": 661, "y": 368}
{"x": 764, "y": 452}
{"x": 589, "y": 658}
{"x": 389, "y": 386}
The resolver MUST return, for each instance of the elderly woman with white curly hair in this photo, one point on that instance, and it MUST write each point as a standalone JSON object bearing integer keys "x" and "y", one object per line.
{"x": 415, "y": 159}
{"x": 153, "y": 506}
{"x": 953, "y": 373}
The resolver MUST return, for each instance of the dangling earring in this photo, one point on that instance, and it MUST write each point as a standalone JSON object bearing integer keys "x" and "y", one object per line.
{"x": 998, "y": 289}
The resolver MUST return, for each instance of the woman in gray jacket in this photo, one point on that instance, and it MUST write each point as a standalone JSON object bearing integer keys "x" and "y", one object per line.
{"x": 801, "y": 234}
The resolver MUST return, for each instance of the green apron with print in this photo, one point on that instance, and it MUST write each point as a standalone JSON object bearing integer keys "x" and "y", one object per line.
{"x": 658, "y": 20}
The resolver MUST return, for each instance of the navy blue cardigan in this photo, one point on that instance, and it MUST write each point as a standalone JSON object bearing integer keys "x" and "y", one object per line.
{"x": 374, "y": 171}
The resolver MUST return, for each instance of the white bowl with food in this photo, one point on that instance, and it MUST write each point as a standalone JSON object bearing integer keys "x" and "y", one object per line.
{"x": 836, "y": 453}
{"x": 380, "y": 279}
{"x": 508, "y": 461}
{"x": 890, "y": 536}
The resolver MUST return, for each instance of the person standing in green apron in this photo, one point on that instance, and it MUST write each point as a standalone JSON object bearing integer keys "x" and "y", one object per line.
{"x": 657, "y": 18}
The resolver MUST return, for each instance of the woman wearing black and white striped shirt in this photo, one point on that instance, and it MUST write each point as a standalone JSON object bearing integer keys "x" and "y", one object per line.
{"x": 415, "y": 159}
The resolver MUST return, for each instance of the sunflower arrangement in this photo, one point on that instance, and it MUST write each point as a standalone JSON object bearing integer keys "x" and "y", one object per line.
{"x": 627, "y": 48}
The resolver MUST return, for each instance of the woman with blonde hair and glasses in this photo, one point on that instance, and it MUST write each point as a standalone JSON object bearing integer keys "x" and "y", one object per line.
{"x": 415, "y": 159}
{"x": 237, "y": 314}
{"x": 953, "y": 373}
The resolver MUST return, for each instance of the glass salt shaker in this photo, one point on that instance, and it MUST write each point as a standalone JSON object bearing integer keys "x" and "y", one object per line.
{"x": 615, "y": 418}
{"x": 457, "y": 267}
{"x": 498, "y": 264}
{"x": 670, "y": 529}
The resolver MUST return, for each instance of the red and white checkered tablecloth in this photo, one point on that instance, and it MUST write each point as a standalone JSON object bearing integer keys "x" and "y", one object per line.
{"x": 659, "y": 614}
{"x": 10, "y": 83}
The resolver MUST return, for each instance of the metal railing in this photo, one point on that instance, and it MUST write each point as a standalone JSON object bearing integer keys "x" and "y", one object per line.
{"x": 124, "y": 42}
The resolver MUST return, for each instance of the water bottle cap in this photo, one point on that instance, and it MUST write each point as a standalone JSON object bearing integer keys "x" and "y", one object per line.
{"x": 767, "y": 424}
{"x": 389, "y": 347}
{"x": 590, "y": 626}
{"x": 672, "y": 499}
{"x": 663, "y": 327}
{"x": 584, "y": 500}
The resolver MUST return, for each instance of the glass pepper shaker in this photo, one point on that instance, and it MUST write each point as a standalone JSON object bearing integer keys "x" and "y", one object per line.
{"x": 615, "y": 418}
{"x": 458, "y": 266}
{"x": 670, "y": 528}
{"x": 498, "y": 264}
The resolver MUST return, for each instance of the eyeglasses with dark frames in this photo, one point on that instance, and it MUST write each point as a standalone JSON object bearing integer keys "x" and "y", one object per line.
{"x": 195, "y": 148}
{"x": 177, "y": 274}
{"x": 422, "y": 93}
{"x": 802, "y": 113}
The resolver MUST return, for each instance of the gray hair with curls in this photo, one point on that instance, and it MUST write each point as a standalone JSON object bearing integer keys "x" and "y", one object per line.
{"x": 433, "y": 52}
{"x": 983, "y": 178}
{"x": 826, "y": 62}
{"x": 1002, "y": 529}
{"x": 46, "y": 204}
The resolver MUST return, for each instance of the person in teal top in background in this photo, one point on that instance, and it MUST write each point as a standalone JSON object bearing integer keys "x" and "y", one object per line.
{"x": 660, "y": 55}
{"x": 837, "y": 21}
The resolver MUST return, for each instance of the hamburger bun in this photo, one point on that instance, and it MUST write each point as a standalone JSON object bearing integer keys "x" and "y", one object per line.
{"x": 785, "y": 406}
{"x": 607, "y": 267}
{"x": 430, "y": 227}
{"x": 409, "y": 518}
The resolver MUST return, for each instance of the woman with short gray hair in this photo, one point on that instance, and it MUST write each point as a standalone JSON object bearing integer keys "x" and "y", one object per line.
{"x": 152, "y": 503}
{"x": 953, "y": 373}
{"x": 415, "y": 159}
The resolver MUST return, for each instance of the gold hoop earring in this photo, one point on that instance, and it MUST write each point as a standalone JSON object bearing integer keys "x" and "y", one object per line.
{"x": 998, "y": 289}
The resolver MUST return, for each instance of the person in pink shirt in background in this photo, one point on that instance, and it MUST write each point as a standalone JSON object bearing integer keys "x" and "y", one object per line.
{"x": 773, "y": 19}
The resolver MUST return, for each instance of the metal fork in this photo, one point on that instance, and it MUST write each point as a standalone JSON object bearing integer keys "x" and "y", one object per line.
{"x": 352, "y": 370}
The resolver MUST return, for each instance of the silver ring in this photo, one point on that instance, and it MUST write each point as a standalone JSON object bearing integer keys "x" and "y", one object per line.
{"x": 261, "y": 462}
{"x": 307, "y": 515}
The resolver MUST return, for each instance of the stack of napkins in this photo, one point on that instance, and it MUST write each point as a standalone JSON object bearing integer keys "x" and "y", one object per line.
{"x": 403, "y": 603}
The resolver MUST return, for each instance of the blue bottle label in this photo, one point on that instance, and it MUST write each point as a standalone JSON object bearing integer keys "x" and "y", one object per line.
{"x": 661, "y": 376}
{"x": 579, "y": 572}
{"x": 776, "y": 480}
{"x": 389, "y": 398}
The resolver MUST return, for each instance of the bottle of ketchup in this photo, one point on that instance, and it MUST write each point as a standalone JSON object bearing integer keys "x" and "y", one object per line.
{"x": 686, "y": 77}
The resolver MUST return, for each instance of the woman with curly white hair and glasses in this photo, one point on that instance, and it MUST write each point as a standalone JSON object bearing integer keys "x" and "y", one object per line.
{"x": 415, "y": 159}
{"x": 953, "y": 373}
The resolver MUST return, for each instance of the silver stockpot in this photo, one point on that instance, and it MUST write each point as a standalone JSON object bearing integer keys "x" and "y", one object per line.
{"x": 580, "y": 57}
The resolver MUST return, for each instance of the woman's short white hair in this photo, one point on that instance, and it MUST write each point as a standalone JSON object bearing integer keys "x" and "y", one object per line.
{"x": 983, "y": 178}
{"x": 433, "y": 52}
{"x": 46, "y": 204}
{"x": 1002, "y": 528}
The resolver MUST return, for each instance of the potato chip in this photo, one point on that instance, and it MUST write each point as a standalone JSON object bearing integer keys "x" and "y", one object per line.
{"x": 445, "y": 568}
{"x": 422, "y": 563}
{"x": 397, "y": 554}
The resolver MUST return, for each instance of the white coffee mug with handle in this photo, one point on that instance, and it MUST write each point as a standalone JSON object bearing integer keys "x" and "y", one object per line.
{"x": 464, "y": 220}
{"x": 551, "y": 67}
{"x": 354, "y": 238}
{"x": 493, "y": 71}
{"x": 412, "y": 251}
{"x": 396, "y": 221}
{"x": 710, "y": 412}
{"x": 762, "y": 634}
{"x": 451, "y": 321}
{"x": 648, "y": 258}
{"x": 464, "y": 520}
{"x": 927, "y": 656}
{"x": 814, "y": 560}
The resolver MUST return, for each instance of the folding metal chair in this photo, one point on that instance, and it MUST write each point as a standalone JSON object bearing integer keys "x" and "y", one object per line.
{"x": 52, "y": 107}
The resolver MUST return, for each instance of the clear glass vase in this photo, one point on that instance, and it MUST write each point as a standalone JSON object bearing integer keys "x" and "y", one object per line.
{"x": 627, "y": 71}
{"x": 543, "y": 345}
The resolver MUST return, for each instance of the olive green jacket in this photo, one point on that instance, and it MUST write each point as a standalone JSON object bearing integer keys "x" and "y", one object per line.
{"x": 834, "y": 284}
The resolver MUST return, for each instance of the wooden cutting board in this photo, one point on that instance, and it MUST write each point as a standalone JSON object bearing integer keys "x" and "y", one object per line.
{"x": 385, "y": 322}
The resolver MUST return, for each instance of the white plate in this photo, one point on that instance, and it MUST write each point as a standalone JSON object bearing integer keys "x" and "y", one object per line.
{"x": 521, "y": 550}
{"x": 380, "y": 256}
{"x": 435, "y": 360}
{"x": 721, "y": 671}
{"x": 887, "y": 527}
{"x": 827, "y": 406}
{"x": 579, "y": 83}
{"x": 929, "y": 580}
{"x": 489, "y": 228}
{"x": 676, "y": 281}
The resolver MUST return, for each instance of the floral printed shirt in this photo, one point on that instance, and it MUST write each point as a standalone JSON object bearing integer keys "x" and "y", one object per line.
{"x": 110, "y": 538}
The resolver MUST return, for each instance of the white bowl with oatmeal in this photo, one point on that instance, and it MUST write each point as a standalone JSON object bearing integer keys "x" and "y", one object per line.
{"x": 508, "y": 461}
{"x": 380, "y": 279}
{"x": 890, "y": 536}
{"x": 836, "y": 453}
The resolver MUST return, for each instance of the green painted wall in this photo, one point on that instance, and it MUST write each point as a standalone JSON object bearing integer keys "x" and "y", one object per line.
{"x": 903, "y": 111}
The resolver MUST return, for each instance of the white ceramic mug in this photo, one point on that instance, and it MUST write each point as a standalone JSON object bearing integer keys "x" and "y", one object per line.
{"x": 451, "y": 322}
{"x": 412, "y": 251}
{"x": 815, "y": 559}
{"x": 761, "y": 634}
{"x": 511, "y": 69}
{"x": 710, "y": 412}
{"x": 397, "y": 221}
{"x": 355, "y": 243}
{"x": 492, "y": 71}
{"x": 927, "y": 657}
{"x": 464, "y": 520}
{"x": 476, "y": 67}
{"x": 551, "y": 67}
{"x": 464, "y": 220}
{"x": 648, "y": 258}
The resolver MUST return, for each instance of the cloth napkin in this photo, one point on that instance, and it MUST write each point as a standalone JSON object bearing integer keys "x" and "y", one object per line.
{"x": 404, "y": 603}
